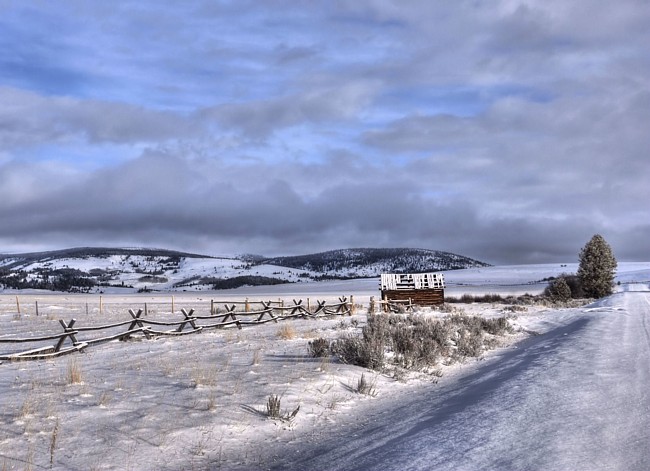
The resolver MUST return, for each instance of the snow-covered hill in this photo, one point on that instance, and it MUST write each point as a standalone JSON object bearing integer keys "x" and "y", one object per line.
{"x": 138, "y": 269}
{"x": 356, "y": 263}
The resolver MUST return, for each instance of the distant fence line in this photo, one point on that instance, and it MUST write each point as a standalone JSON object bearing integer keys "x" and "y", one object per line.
{"x": 100, "y": 304}
{"x": 20, "y": 307}
{"x": 190, "y": 323}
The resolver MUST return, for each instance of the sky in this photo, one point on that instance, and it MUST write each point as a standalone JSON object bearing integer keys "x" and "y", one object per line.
{"x": 507, "y": 131}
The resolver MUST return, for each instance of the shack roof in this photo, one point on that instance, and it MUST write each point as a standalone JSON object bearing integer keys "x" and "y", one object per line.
{"x": 394, "y": 281}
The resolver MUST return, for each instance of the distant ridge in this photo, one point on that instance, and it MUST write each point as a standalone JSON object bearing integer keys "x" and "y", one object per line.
{"x": 373, "y": 261}
{"x": 86, "y": 252}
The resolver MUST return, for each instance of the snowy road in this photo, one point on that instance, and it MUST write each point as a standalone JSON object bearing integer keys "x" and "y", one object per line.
{"x": 575, "y": 397}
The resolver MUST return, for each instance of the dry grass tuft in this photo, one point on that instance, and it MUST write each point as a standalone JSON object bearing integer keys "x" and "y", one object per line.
{"x": 273, "y": 406}
{"x": 366, "y": 387}
{"x": 28, "y": 408}
{"x": 104, "y": 399}
{"x": 287, "y": 332}
{"x": 202, "y": 375}
{"x": 74, "y": 374}
{"x": 324, "y": 364}
{"x": 53, "y": 438}
{"x": 273, "y": 410}
{"x": 256, "y": 358}
{"x": 211, "y": 403}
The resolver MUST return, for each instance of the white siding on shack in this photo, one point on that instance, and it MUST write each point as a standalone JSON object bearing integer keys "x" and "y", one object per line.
{"x": 390, "y": 281}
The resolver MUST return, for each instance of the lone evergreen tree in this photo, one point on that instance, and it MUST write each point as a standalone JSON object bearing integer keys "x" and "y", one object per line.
{"x": 597, "y": 268}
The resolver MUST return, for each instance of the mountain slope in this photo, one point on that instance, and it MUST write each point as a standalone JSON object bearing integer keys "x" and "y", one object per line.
{"x": 373, "y": 262}
{"x": 13, "y": 260}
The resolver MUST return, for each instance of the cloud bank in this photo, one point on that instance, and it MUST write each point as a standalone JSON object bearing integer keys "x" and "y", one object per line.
{"x": 509, "y": 132}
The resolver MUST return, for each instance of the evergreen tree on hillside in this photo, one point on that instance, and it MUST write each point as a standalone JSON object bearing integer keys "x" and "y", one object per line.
{"x": 597, "y": 268}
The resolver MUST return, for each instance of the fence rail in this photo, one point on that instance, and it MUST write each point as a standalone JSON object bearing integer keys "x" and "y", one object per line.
{"x": 392, "y": 305}
{"x": 68, "y": 341}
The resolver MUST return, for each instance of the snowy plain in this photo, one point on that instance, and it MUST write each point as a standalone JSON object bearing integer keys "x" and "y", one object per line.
{"x": 569, "y": 390}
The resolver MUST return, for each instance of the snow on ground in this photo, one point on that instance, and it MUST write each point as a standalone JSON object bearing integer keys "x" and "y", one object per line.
{"x": 572, "y": 397}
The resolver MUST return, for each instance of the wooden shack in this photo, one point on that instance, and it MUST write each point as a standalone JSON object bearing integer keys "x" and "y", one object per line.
{"x": 422, "y": 289}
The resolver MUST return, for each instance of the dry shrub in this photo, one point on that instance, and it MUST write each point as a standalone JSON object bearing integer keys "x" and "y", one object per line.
{"x": 353, "y": 350}
{"x": 469, "y": 298}
{"x": 469, "y": 343}
{"x": 319, "y": 348}
{"x": 496, "y": 326}
{"x": 417, "y": 342}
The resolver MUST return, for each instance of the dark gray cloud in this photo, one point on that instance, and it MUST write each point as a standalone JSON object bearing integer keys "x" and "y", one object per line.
{"x": 328, "y": 103}
{"x": 508, "y": 131}
{"x": 163, "y": 200}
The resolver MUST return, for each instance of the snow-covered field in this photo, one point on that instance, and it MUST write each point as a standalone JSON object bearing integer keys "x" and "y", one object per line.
{"x": 504, "y": 280}
{"x": 573, "y": 397}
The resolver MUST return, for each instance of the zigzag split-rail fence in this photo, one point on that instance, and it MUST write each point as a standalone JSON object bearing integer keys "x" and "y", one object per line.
{"x": 75, "y": 338}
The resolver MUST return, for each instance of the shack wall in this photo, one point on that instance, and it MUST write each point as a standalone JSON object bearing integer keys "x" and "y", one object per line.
{"x": 420, "y": 297}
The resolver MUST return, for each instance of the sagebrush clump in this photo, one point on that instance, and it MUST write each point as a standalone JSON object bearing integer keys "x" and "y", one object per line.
{"x": 319, "y": 347}
{"x": 416, "y": 342}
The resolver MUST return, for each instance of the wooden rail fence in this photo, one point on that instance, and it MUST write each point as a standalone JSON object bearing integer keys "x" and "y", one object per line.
{"x": 392, "y": 305}
{"x": 68, "y": 341}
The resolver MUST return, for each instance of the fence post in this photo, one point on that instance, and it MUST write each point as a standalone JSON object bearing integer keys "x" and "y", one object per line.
{"x": 101, "y": 305}
{"x": 86, "y": 307}
{"x": 66, "y": 329}
{"x": 146, "y": 311}
{"x": 371, "y": 308}
{"x": 247, "y": 306}
{"x": 308, "y": 306}
{"x": 212, "y": 307}
{"x": 17, "y": 304}
{"x": 36, "y": 308}
{"x": 353, "y": 309}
